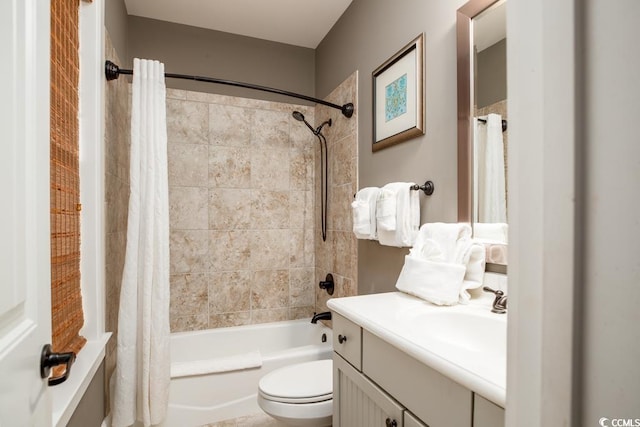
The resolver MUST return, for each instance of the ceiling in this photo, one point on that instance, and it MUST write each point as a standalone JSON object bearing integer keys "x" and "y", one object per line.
{"x": 296, "y": 22}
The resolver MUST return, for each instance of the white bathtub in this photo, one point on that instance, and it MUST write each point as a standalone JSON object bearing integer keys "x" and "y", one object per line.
{"x": 203, "y": 399}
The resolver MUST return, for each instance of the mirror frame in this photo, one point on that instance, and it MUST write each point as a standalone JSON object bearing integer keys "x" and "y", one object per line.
{"x": 464, "y": 41}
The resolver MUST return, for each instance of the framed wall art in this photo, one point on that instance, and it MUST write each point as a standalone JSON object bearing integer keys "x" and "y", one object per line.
{"x": 398, "y": 96}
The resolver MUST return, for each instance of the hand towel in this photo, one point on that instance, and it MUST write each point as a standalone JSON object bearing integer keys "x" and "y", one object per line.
{"x": 364, "y": 213}
{"x": 221, "y": 364}
{"x": 407, "y": 215}
{"x": 386, "y": 209}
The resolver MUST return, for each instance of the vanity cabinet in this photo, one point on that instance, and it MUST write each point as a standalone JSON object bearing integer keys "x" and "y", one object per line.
{"x": 487, "y": 414}
{"x": 376, "y": 384}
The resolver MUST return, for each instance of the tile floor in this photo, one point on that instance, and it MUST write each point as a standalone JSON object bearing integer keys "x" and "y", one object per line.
{"x": 255, "y": 420}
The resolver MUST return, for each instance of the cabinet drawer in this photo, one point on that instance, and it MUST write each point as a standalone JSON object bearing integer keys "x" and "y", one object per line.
{"x": 487, "y": 414}
{"x": 432, "y": 397}
{"x": 347, "y": 340}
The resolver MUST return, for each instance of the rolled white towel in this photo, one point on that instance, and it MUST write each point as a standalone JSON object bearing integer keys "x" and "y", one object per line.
{"x": 452, "y": 238}
{"x": 220, "y": 364}
{"x": 474, "y": 260}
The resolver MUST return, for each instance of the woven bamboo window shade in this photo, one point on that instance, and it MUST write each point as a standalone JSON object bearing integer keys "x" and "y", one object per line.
{"x": 66, "y": 300}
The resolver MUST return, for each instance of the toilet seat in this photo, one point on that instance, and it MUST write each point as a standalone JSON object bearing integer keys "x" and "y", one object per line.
{"x": 303, "y": 383}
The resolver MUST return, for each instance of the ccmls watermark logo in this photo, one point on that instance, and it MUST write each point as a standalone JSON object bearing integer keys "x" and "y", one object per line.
{"x": 619, "y": 422}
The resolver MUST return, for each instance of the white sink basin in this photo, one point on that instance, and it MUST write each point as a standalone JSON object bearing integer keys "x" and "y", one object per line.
{"x": 472, "y": 333}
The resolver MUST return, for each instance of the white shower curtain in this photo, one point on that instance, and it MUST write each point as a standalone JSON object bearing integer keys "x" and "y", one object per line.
{"x": 142, "y": 375}
{"x": 490, "y": 202}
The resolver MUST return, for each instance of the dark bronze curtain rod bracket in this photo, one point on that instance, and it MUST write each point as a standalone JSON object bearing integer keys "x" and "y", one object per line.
{"x": 112, "y": 72}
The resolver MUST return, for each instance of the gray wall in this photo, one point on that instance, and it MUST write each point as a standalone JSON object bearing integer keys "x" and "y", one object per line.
{"x": 115, "y": 20}
{"x": 191, "y": 50}
{"x": 368, "y": 34}
{"x": 491, "y": 77}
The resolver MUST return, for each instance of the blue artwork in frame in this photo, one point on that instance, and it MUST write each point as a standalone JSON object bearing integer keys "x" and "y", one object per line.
{"x": 398, "y": 96}
{"x": 395, "y": 98}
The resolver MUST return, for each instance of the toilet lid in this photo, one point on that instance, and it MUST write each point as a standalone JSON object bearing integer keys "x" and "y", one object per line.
{"x": 299, "y": 383}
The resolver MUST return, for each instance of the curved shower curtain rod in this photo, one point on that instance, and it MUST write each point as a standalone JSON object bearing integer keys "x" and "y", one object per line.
{"x": 112, "y": 72}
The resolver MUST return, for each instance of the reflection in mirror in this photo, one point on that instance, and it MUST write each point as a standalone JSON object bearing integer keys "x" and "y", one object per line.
{"x": 482, "y": 124}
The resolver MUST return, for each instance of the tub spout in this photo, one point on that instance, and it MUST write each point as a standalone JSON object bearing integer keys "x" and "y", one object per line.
{"x": 325, "y": 315}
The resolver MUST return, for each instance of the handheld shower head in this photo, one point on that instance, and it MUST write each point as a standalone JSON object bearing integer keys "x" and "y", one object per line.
{"x": 300, "y": 117}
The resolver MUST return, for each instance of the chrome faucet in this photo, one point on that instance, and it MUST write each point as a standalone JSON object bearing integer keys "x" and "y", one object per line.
{"x": 500, "y": 302}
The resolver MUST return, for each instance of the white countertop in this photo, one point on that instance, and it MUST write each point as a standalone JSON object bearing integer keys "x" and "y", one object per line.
{"x": 466, "y": 343}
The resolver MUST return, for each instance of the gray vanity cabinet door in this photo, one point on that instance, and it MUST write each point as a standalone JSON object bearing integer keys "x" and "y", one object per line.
{"x": 411, "y": 421}
{"x": 437, "y": 400}
{"x": 487, "y": 414}
{"x": 357, "y": 402}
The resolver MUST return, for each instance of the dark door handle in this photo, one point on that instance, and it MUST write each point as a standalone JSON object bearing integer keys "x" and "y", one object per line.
{"x": 342, "y": 338}
{"x": 50, "y": 359}
{"x": 391, "y": 423}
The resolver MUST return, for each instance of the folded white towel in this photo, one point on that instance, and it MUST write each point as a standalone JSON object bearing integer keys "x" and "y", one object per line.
{"x": 364, "y": 213}
{"x": 491, "y": 232}
{"x": 436, "y": 282}
{"x": 407, "y": 215}
{"x": 386, "y": 209}
{"x": 221, "y": 364}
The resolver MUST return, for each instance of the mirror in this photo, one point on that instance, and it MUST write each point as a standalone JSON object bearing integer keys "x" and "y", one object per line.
{"x": 483, "y": 124}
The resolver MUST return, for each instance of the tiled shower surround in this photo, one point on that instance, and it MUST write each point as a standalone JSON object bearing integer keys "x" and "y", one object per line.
{"x": 245, "y": 242}
{"x": 241, "y": 211}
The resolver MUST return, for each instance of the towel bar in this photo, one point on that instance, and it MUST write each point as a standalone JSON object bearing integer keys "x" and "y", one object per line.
{"x": 427, "y": 187}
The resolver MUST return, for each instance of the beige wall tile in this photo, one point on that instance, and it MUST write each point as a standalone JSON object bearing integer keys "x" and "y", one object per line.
{"x": 270, "y": 289}
{"x": 229, "y": 209}
{"x": 230, "y": 250}
{"x": 230, "y": 291}
{"x": 296, "y": 313}
{"x": 301, "y": 287}
{"x": 270, "y": 169}
{"x": 187, "y": 122}
{"x": 189, "y": 295}
{"x": 189, "y": 323}
{"x": 229, "y": 167}
{"x": 189, "y": 251}
{"x": 270, "y": 129}
{"x": 230, "y": 126}
{"x": 189, "y": 208}
{"x": 229, "y": 319}
{"x": 272, "y": 315}
{"x": 270, "y": 249}
{"x": 188, "y": 164}
{"x": 269, "y": 209}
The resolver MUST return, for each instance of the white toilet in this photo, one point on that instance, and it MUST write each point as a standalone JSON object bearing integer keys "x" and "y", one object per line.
{"x": 299, "y": 395}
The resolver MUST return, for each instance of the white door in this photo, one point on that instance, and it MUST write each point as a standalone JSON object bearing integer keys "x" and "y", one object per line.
{"x": 25, "y": 302}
